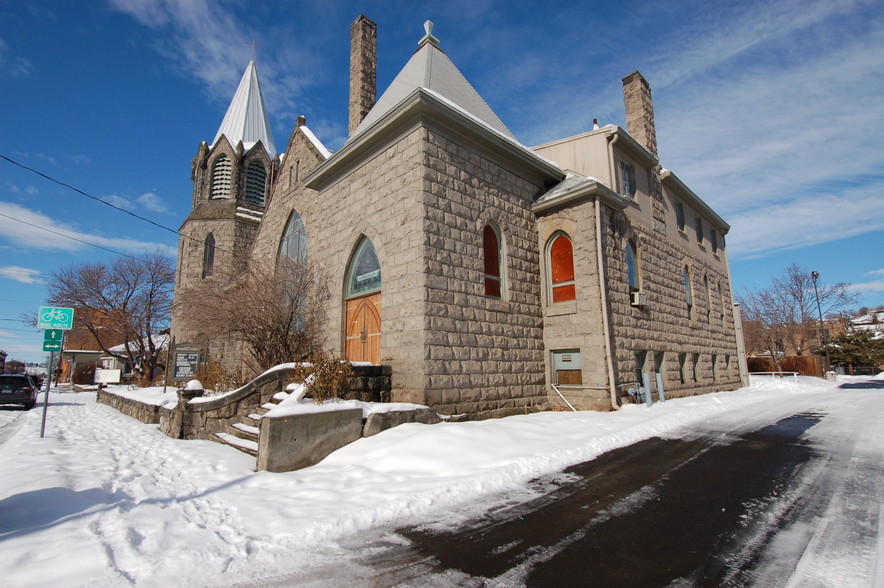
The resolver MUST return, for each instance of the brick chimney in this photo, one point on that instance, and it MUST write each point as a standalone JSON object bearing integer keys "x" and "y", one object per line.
{"x": 639, "y": 111}
{"x": 363, "y": 68}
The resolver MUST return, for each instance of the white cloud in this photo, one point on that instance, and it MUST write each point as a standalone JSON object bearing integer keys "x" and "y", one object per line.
{"x": 13, "y": 66}
{"x": 207, "y": 41}
{"x": 872, "y": 287}
{"x": 16, "y": 189}
{"x": 147, "y": 201}
{"x": 33, "y": 229}
{"x": 152, "y": 202}
{"x": 119, "y": 201}
{"x": 877, "y": 272}
{"x": 811, "y": 220}
{"x": 21, "y": 274}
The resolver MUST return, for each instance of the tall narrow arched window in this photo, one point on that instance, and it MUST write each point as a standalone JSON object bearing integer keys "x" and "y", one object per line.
{"x": 708, "y": 299}
{"x": 294, "y": 239}
{"x": 256, "y": 183}
{"x": 688, "y": 295}
{"x": 209, "y": 255}
{"x": 632, "y": 266}
{"x": 221, "y": 173}
{"x": 560, "y": 260}
{"x": 492, "y": 254}
{"x": 723, "y": 306}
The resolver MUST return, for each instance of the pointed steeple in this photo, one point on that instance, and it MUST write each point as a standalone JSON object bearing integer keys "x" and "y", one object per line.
{"x": 430, "y": 68}
{"x": 246, "y": 119}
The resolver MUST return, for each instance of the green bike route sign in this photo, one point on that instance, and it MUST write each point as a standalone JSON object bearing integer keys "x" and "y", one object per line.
{"x": 50, "y": 317}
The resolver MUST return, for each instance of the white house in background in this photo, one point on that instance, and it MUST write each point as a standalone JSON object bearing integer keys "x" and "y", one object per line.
{"x": 113, "y": 370}
{"x": 873, "y": 321}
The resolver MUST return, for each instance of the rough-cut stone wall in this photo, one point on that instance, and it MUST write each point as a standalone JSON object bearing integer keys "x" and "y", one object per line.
{"x": 640, "y": 111}
{"x": 482, "y": 355}
{"x": 663, "y": 324}
{"x": 576, "y": 324}
{"x": 363, "y": 66}
{"x": 234, "y": 237}
{"x": 379, "y": 199}
{"x": 146, "y": 413}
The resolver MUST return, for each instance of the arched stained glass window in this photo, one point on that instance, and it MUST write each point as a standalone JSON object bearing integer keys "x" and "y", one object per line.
{"x": 364, "y": 274}
{"x": 209, "y": 255}
{"x": 256, "y": 183}
{"x": 560, "y": 258}
{"x": 491, "y": 251}
{"x": 221, "y": 173}
{"x": 632, "y": 266}
{"x": 294, "y": 239}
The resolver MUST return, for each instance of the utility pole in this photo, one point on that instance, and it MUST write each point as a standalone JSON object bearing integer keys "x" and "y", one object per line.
{"x": 819, "y": 309}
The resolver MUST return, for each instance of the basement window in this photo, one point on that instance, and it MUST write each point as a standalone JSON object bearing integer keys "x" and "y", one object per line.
{"x": 566, "y": 368}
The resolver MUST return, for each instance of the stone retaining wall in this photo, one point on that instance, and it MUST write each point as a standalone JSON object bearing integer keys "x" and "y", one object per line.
{"x": 146, "y": 413}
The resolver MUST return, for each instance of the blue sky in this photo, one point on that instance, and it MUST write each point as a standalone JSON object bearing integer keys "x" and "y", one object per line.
{"x": 770, "y": 111}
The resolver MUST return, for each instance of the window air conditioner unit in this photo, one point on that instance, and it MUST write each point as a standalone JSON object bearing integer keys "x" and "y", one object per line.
{"x": 639, "y": 299}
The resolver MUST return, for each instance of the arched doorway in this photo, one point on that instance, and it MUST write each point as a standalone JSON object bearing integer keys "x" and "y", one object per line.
{"x": 362, "y": 305}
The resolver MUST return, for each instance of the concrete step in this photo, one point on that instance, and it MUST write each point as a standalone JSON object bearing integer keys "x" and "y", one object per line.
{"x": 253, "y": 420}
{"x": 244, "y": 445}
{"x": 245, "y": 431}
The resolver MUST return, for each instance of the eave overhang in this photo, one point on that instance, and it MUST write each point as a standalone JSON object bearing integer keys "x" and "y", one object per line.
{"x": 674, "y": 183}
{"x": 587, "y": 189}
{"x": 631, "y": 147}
{"x": 426, "y": 107}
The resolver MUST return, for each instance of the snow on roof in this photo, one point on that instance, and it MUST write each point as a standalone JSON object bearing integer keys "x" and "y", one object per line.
{"x": 246, "y": 119}
{"x": 431, "y": 69}
{"x": 159, "y": 341}
{"x": 316, "y": 142}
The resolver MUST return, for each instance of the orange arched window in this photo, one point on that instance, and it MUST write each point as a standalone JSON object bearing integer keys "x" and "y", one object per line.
{"x": 561, "y": 269}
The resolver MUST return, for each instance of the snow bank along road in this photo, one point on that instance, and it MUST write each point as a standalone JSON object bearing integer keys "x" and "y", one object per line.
{"x": 106, "y": 501}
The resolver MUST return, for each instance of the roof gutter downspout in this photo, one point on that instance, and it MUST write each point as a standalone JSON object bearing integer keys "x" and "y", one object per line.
{"x": 603, "y": 285}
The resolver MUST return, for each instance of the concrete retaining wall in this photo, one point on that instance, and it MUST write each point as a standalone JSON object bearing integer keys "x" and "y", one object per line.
{"x": 298, "y": 441}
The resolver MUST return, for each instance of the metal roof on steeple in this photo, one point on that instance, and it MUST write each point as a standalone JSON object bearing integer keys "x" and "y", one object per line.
{"x": 431, "y": 69}
{"x": 246, "y": 119}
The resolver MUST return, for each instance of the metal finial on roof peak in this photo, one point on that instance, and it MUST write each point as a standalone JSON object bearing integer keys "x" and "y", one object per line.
{"x": 428, "y": 37}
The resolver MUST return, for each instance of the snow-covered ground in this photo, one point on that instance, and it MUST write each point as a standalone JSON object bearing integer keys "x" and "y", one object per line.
{"x": 104, "y": 500}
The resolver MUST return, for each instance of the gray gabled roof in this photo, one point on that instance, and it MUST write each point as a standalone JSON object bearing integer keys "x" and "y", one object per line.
{"x": 431, "y": 69}
{"x": 245, "y": 119}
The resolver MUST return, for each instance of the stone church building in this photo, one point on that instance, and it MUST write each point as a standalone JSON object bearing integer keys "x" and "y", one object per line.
{"x": 491, "y": 277}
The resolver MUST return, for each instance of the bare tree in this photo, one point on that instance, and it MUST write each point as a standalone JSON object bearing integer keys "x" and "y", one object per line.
{"x": 784, "y": 319}
{"x": 277, "y": 312}
{"x": 128, "y": 301}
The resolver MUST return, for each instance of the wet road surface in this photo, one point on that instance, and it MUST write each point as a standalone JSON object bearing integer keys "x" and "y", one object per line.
{"x": 646, "y": 515}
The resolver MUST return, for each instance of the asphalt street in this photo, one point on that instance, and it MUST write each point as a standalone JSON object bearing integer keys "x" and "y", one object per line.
{"x": 729, "y": 504}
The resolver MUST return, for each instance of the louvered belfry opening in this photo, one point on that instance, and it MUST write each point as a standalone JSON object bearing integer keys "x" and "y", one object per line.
{"x": 256, "y": 183}
{"x": 222, "y": 170}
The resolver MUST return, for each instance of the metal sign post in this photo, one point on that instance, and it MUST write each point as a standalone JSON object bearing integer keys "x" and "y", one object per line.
{"x": 46, "y": 394}
{"x": 56, "y": 321}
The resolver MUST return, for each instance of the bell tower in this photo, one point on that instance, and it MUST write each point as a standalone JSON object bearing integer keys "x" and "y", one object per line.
{"x": 232, "y": 179}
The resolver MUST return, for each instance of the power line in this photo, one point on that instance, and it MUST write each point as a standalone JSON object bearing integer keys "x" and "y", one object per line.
{"x": 77, "y": 190}
{"x": 87, "y": 195}
{"x": 67, "y": 236}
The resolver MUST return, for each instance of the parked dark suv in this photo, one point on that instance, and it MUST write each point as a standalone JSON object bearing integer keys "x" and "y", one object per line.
{"x": 18, "y": 389}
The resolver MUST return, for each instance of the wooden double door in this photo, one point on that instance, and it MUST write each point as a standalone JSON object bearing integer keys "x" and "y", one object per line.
{"x": 363, "y": 334}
